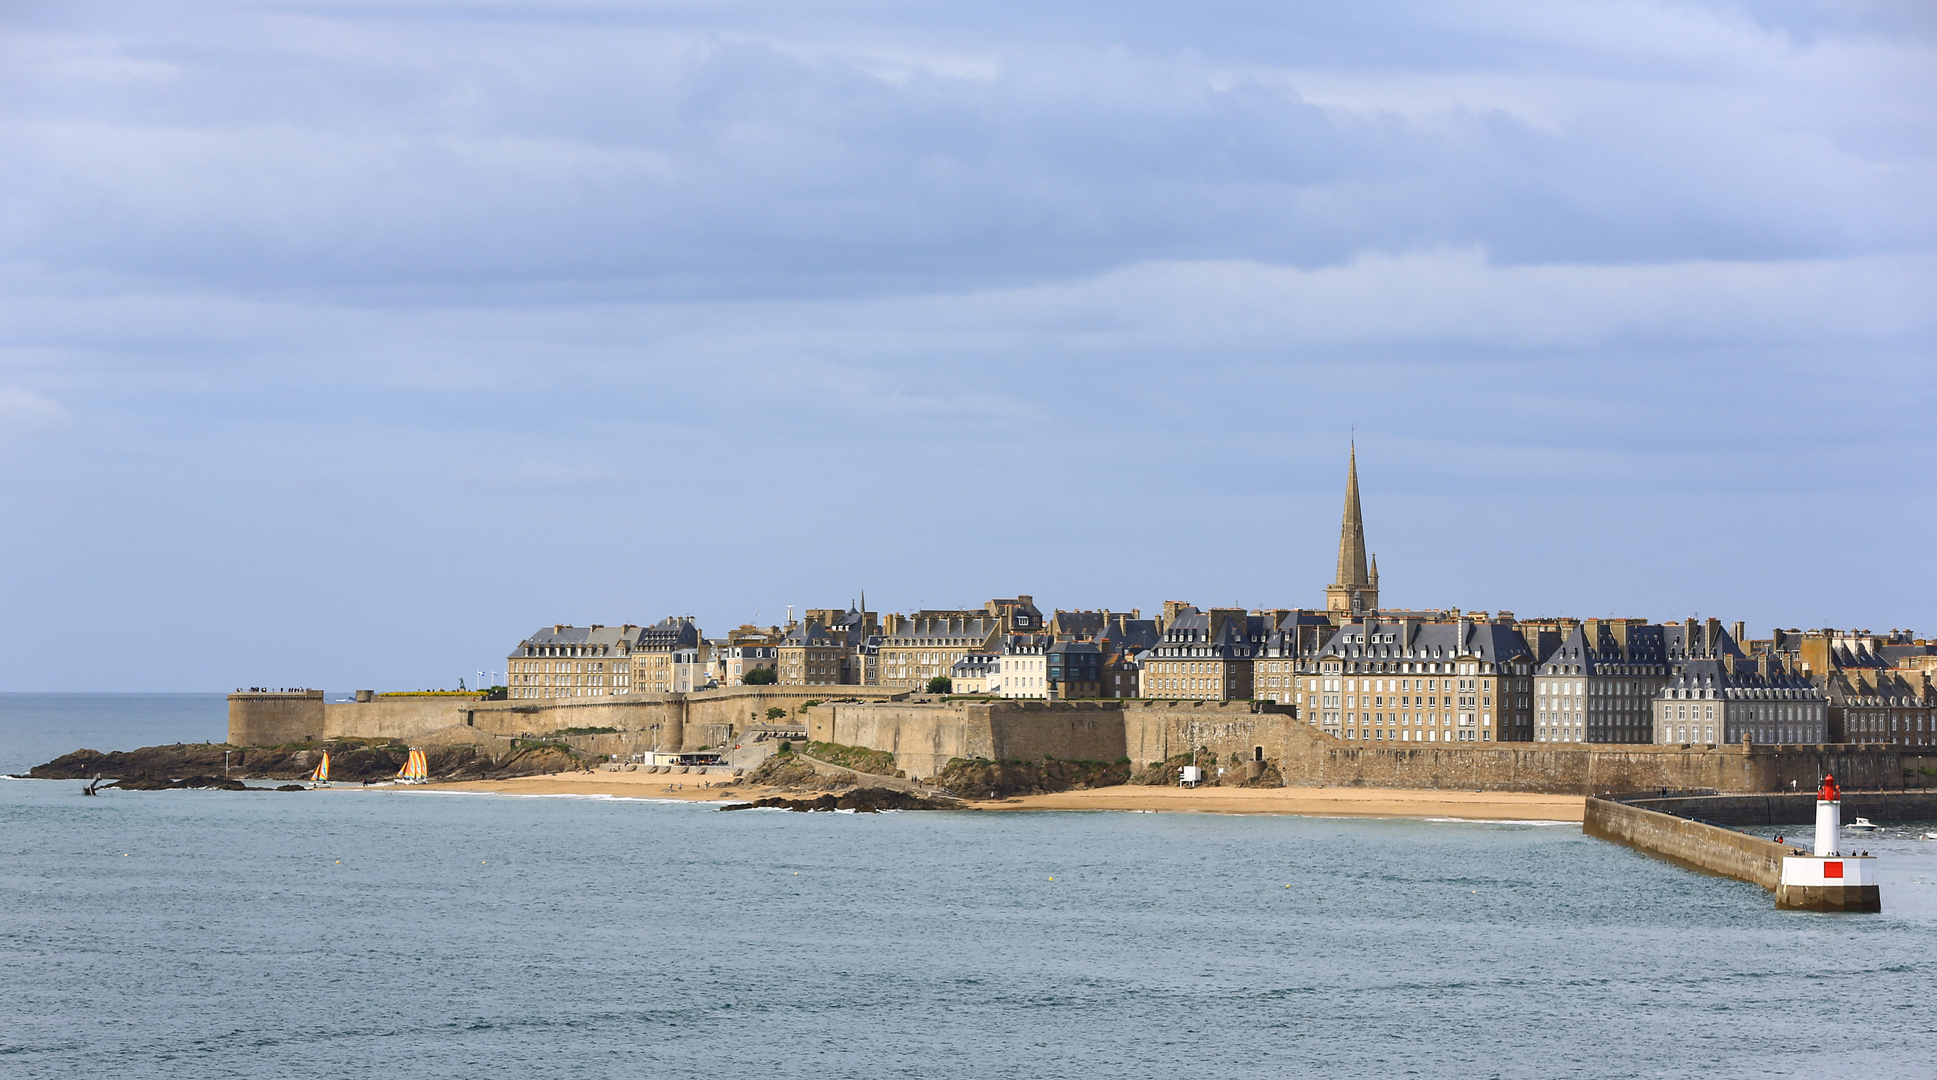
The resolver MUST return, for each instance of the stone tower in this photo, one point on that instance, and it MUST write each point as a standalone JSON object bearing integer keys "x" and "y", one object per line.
{"x": 1356, "y": 588}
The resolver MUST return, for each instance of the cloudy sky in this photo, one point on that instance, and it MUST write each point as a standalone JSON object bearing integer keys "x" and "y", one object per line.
{"x": 344, "y": 343}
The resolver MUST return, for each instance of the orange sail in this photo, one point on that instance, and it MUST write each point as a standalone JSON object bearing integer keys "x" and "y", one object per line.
{"x": 322, "y": 769}
{"x": 415, "y": 767}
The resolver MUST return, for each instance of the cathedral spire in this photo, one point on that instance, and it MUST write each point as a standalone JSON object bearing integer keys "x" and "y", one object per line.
{"x": 1351, "y": 532}
{"x": 1355, "y": 589}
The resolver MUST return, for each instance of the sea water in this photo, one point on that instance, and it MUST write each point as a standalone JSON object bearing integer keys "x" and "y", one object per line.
{"x": 418, "y": 934}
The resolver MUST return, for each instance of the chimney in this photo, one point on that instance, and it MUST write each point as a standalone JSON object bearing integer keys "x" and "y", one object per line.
{"x": 1741, "y": 631}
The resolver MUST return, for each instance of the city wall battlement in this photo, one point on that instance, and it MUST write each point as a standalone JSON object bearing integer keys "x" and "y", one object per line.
{"x": 652, "y": 721}
{"x": 925, "y": 735}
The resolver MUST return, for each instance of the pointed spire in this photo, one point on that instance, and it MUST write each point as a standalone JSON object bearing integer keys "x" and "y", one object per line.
{"x": 1351, "y": 534}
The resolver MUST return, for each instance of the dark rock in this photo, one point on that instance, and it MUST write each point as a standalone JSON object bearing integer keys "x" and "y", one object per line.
{"x": 290, "y": 787}
{"x": 142, "y": 783}
{"x": 974, "y": 778}
{"x": 861, "y": 800}
{"x": 351, "y": 760}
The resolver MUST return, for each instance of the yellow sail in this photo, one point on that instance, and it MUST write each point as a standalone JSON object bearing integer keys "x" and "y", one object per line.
{"x": 415, "y": 767}
{"x": 322, "y": 768}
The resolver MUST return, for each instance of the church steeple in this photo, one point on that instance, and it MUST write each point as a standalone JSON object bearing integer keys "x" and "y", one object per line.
{"x": 1356, "y": 588}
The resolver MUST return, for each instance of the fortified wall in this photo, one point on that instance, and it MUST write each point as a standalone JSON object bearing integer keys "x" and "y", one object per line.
{"x": 646, "y": 721}
{"x": 924, "y": 736}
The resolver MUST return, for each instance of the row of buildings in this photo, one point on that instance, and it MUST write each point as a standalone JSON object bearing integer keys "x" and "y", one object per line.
{"x": 1358, "y": 671}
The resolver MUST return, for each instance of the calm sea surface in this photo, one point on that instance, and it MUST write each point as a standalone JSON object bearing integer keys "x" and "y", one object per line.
{"x": 389, "y": 933}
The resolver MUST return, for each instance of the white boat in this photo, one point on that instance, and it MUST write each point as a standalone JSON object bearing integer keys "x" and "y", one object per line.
{"x": 1863, "y": 824}
{"x": 321, "y": 777}
{"x": 1928, "y": 836}
{"x": 416, "y": 770}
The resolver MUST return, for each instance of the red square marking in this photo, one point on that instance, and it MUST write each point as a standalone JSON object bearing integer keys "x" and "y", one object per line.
{"x": 1832, "y": 869}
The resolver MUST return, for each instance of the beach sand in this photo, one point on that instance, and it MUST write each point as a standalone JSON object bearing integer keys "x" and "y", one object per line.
{"x": 632, "y": 785}
{"x": 1311, "y": 802}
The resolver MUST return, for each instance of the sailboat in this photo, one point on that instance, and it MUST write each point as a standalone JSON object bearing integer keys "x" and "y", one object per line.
{"x": 416, "y": 770}
{"x": 322, "y": 774}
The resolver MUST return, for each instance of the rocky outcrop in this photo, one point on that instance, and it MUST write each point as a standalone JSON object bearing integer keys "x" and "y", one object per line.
{"x": 351, "y": 760}
{"x": 1246, "y": 774}
{"x": 861, "y": 800}
{"x": 979, "y": 779}
{"x": 789, "y": 772}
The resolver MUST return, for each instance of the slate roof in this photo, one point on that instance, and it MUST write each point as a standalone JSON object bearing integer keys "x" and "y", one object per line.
{"x": 1704, "y": 674}
{"x": 812, "y": 634}
{"x": 1647, "y": 645}
{"x": 1489, "y": 642}
{"x": 610, "y": 638}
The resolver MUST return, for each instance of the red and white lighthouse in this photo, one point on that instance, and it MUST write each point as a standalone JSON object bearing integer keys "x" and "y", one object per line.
{"x": 1828, "y": 879}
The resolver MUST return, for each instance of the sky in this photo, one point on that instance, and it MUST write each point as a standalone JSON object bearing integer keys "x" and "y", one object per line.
{"x": 344, "y": 344}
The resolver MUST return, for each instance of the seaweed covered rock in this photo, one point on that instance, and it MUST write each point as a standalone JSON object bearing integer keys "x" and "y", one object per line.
{"x": 351, "y": 761}
{"x": 861, "y": 800}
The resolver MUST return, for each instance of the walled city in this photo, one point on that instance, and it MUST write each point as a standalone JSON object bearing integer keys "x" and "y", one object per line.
{"x": 1347, "y": 693}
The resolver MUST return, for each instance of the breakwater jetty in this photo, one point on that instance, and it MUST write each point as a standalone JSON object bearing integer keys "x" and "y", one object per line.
{"x": 1693, "y": 844}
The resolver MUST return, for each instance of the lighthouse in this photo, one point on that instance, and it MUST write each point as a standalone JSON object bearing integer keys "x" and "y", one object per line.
{"x": 1829, "y": 879}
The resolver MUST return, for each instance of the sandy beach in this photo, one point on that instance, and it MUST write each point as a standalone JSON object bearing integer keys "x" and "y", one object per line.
{"x": 1311, "y": 802}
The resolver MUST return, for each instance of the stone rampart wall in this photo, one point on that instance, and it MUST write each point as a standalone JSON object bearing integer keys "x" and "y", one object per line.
{"x": 922, "y": 737}
{"x": 1228, "y": 731}
{"x": 1688, "y": 843}
{"x": 651, "y": 721}
{"x": 263, "y": 719}
{"x": 1069, "y": 731}
{"x": 395, "y": 718}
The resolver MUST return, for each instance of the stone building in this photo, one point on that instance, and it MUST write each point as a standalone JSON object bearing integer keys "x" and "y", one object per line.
{"x": 1406, "y": 681}
{"x": 1727, "y": 697}
{"x": 1075, "y": 670}
{"x": 813, "y": 654}
{"x": 693, "y": 668}
{"x": 976, "y": 673}
{"x": 1598, "y": 684}
{"x": 1022, "y": 666}
{"x": 563, "y": 661}
{"x": 1294, "y": 642}
{"x": 1204, "y": 655}
{"x": 823, "y": 649}
{"x": 652, "y": 657}
{"x": 1878, "y": 687}
{"x": 1124, "y": 643}
{"x": 924, "y": 645}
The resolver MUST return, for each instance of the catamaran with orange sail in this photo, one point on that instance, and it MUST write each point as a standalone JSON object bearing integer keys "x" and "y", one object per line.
{"x": 416, "y": 770}
{"x": 321, "y": 777}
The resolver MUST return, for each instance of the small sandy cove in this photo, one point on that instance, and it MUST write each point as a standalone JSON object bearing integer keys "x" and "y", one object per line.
{"x": 1314, "y": 802}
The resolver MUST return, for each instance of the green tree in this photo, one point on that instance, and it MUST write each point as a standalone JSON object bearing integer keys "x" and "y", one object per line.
{"x": 940, "y": 684}
{"x": 762, "y": 676}
{"x": 776, "y": 713}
